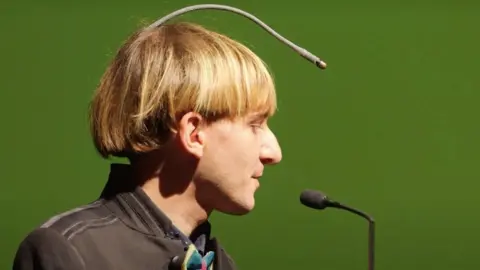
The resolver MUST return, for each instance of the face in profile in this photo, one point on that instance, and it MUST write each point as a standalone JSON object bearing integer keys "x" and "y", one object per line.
{"x": 232, "y": 161}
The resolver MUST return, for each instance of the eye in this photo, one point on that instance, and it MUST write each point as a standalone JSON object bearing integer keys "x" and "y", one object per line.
{"x": 256, "y": 127}
{"x": 257, "y": 123}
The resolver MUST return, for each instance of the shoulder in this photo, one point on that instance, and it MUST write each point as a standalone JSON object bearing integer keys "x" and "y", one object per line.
{"x": 45, "y": 248}
{"x": 81, "y": 222}
{"x": 50, "y": 245}
{"x": 72, "y": 220}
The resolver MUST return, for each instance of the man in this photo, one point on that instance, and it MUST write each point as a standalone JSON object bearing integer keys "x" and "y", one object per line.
{"x": 188, "y": 108}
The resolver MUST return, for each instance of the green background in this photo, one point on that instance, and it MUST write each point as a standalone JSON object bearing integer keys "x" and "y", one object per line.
{"x": 391, "y": 127}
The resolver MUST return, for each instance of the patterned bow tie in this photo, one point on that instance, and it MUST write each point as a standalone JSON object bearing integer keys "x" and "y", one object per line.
{"x": 195, "y": 261}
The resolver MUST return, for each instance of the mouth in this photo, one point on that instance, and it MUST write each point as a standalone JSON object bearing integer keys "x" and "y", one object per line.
{"x": 257, "y": 177}
{"x": 258, "y": 173}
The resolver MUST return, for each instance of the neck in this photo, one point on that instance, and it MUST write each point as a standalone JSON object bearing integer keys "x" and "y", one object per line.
{"x": 168, "y": 183}
{"x": 182, "y": 209}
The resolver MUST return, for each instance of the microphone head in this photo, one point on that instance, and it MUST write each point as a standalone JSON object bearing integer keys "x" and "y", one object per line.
{"x": 314, "y": 199}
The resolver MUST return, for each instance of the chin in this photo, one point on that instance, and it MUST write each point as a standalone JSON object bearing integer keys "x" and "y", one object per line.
{"x": 238, "y": 208}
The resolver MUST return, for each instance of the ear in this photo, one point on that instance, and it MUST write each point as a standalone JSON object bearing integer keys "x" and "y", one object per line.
{"x": 191, "y": 133}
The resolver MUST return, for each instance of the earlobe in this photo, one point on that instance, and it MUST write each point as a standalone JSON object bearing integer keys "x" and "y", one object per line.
{"x": 191, "y": 133}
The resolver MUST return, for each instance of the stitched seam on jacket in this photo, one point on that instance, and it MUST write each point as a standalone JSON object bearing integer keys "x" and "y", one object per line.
{"x": 131, "y": 211}
{"x": 81, "y": 223}
{"x": 59, "y": 217}
{"x": 152, "y": 223}
{"x": 100, "y": 222}
{"x": 132, "y": 226}
{"x": 79, "y": 256}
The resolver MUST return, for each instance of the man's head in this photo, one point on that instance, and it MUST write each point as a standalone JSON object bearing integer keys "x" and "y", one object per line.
{"x": 196, "y": 97}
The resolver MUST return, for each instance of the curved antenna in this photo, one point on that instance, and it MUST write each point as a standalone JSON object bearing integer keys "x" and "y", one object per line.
{"x": 303, "y": 52}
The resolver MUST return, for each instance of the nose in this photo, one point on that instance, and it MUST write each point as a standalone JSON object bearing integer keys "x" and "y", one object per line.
{"x": 270, "y": 152}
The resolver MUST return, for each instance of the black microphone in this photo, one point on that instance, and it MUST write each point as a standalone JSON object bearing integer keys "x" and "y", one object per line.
{"x": 317, "y": 200}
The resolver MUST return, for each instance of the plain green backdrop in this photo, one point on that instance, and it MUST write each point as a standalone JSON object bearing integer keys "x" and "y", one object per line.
{"x": 391, "y": 127}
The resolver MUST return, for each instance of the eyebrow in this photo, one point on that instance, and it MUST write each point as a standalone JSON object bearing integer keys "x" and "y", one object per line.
{"x": 259, "y": 116}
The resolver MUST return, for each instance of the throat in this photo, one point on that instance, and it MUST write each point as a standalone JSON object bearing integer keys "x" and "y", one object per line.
{"x": 183, "y": 210}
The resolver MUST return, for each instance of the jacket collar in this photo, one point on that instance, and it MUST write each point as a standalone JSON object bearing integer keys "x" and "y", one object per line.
{"x": 130, "y": 203}
{"x": 138, "y": 211}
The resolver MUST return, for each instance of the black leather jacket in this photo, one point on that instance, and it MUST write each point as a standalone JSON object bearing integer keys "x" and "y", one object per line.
{"x": 122, "y": 230}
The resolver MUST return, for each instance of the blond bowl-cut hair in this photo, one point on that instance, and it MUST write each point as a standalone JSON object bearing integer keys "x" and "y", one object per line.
{"x": 160, "y": 73}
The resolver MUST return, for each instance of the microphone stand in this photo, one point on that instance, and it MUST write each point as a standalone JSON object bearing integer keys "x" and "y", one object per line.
{"x": 371, "y": 229}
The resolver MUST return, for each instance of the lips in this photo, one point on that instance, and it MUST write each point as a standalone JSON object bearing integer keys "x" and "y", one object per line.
{"x": 258, "y": 176}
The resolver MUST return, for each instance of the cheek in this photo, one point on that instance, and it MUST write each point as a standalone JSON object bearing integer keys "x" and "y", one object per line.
{"x": 231, "y": 150}
{"x": 232, "y": 160}
{"x": 235, "y": 155}
{"x": 245, "y": 148}
{"x": 217, "y": 163}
